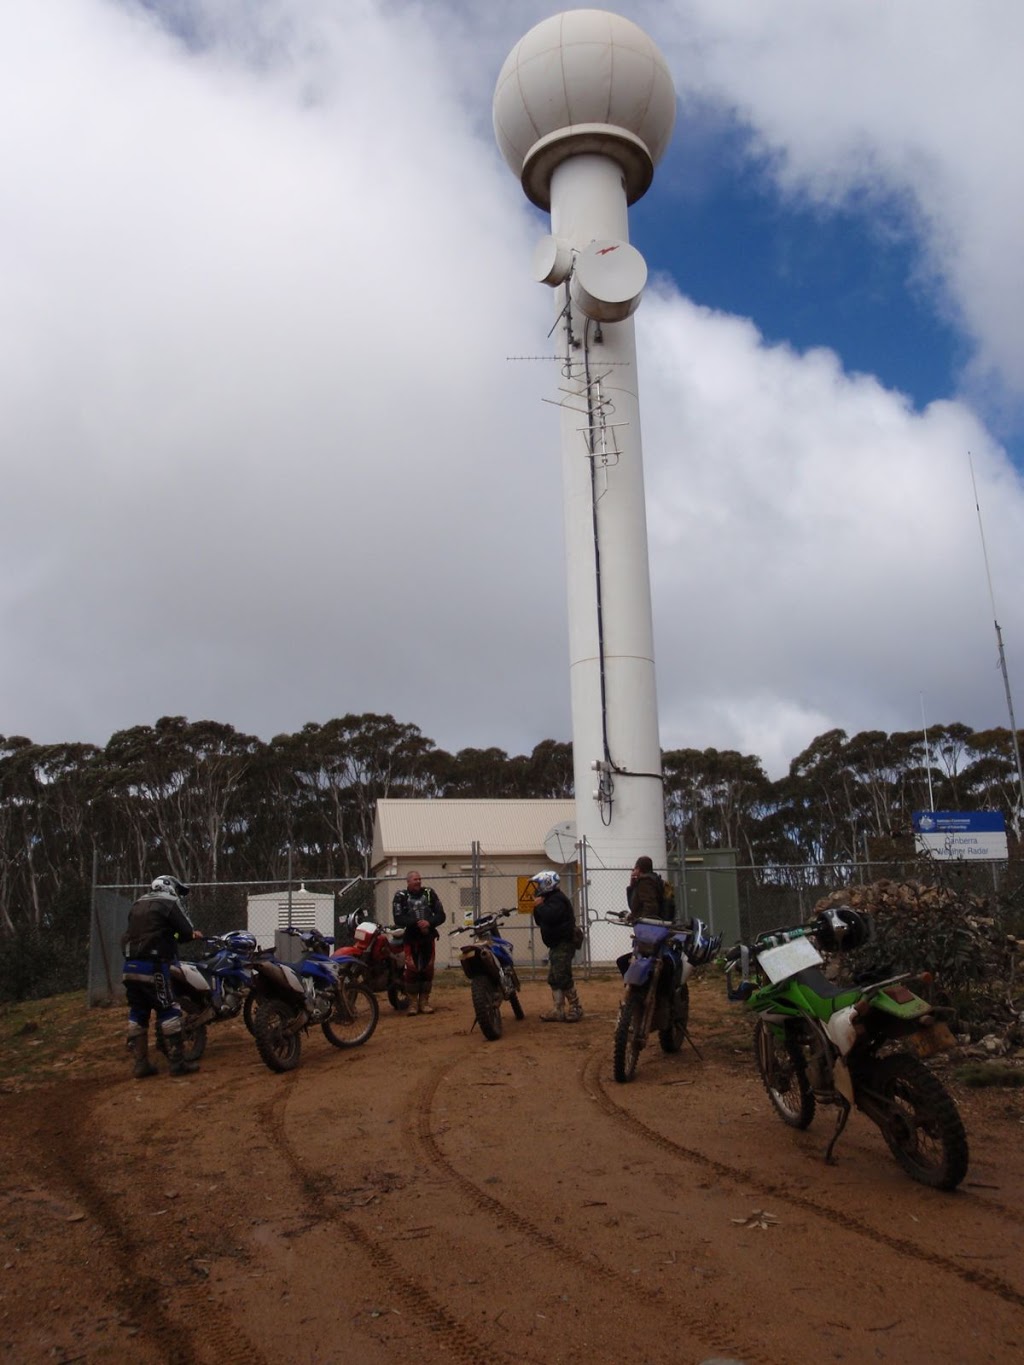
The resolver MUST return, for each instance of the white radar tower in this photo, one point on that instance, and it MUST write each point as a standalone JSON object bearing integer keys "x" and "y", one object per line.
{"x": 583, "y": 111}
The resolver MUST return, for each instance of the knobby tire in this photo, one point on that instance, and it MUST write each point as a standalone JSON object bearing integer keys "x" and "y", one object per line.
{"x": 919, "y": 1120}
{"x": 671, "y": 1038}
{"x": 486, "y": 1006}
{"x": 628, "y": 1037}
{"x": 278, "y": 1050}
{"x": 783, "y": 1070}
{"x": 353, "y": 1023}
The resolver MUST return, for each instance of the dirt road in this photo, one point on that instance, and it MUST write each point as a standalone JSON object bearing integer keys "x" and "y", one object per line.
{"x": 431, "y": 1197}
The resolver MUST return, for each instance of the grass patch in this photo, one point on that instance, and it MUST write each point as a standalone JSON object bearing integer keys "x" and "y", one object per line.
{"x": 980, "y": 1074}
{"x": 34, "y": 1034}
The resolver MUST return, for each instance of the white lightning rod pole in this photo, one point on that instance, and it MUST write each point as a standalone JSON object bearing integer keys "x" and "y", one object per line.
{"x": 927, "y": 756}
{"x": 999, "y": 641}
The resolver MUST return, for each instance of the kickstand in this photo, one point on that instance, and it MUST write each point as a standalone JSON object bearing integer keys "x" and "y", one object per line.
{"x": 843, "y": 1115}
{"x": 693, "y": 1045}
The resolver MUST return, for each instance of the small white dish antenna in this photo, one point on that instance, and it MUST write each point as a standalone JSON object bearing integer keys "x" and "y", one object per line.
{"x": 560, "y": 843}
{"x": 608, "y": 281}
{"x": 552, "y": 261}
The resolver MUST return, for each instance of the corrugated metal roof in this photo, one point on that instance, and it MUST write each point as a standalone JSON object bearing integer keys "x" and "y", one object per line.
{"x": 443, "y": 826}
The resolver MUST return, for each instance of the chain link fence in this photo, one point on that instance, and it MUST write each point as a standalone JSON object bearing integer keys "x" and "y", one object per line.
{"x": 734, "y": 900}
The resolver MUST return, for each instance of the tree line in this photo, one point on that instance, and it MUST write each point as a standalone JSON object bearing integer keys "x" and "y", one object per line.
{"x": 210, "y": 803}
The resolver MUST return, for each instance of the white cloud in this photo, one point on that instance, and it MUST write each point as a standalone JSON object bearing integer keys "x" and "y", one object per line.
{"x": 266, "y": 461}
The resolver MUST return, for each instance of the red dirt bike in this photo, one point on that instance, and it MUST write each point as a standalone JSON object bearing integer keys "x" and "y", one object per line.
{"x": 377, "y": 958}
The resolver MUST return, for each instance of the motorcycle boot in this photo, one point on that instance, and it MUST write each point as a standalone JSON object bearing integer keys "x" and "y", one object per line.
{"x": 414, "y": 1002}
{"x": 138, "y": 1046}
{"x": 425, "y": 1007}
{"x": 574, "y": 1012}
{"x": 175, "y": 1055}
{"x": 556, "y": 1015}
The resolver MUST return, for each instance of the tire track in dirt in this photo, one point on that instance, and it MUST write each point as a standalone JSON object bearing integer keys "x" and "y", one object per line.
{"x": 316, "y": 1189}
{"x": 563, "y": 1251}
{"x": 843, "y": 1219}
{"x": 69, "y": 1161}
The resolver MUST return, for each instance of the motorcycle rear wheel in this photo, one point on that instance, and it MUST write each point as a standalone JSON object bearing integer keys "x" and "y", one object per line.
{"x": 248, "y": 1012}
{"x": 193, "y": 1040}
{"x": 352, "y": 1024}
{"x": 629, "y": 1038}
{"x": 918, "y": 1119}
{"x": 486, "y": 1006}
{"x": 784, "y": 1073}
{"x": 671, "y": 1038}
{"x": 517, "y": 1008}
{"x": 278, "y": 1050}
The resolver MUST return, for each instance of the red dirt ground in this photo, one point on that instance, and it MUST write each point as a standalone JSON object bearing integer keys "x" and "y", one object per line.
{"x": 435, "y": 1198}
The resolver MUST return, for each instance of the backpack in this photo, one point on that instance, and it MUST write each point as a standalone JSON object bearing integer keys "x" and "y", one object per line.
{"x": 668, "y": 900}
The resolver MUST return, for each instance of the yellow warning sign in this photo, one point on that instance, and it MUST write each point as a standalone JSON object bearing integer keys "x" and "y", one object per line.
{"x": 526, "y": 893}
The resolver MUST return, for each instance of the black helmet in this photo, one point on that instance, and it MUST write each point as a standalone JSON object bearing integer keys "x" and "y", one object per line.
{"x": 841, "y": 929}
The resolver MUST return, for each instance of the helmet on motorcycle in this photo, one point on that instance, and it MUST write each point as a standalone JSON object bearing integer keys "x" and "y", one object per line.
{"x": 240, "y": 941}
{"x": 841, "y": 929}
{"x": 703, "y": 945}
{"x": 544, "y": 882}
{"x": 170, "y": 886}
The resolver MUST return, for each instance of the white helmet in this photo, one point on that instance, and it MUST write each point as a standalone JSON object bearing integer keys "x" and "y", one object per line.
{"x": 170, "y": 886}
{"x": 544, "y": 882}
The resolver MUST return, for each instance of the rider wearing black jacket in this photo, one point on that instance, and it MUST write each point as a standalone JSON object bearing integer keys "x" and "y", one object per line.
{"x": 418, "y": 910}
{"x": 156, "y": 922}
{"x": 554, "y": 917}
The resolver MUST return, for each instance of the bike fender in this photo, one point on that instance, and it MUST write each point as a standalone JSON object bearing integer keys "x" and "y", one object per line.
{"x": 638, "y": 973}
{"x": 840, "y": 1028}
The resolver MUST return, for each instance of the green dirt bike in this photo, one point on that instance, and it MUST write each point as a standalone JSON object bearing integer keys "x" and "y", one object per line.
{"x": 818, "y": 1042}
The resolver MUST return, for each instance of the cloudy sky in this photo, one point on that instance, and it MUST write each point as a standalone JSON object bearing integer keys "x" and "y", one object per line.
{"x": 266, "y": 460}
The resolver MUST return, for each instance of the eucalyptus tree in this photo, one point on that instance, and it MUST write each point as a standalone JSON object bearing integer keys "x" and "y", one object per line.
{"x": 177, "y": 784}
{"x": 715, "y": 798}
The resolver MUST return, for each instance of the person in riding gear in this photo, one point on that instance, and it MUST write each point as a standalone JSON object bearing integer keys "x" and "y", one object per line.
{"x": 554, "y": 917}
{"x": 418, "y": 910}
{"x": 645, "y": 894}
{"x": 156, "y": 922}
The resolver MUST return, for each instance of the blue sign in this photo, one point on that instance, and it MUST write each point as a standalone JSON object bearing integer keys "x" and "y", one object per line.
{"x": 960, "y": 834}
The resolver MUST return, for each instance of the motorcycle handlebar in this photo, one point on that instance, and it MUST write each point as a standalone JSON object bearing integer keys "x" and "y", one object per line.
{"x": 484, "y": 922}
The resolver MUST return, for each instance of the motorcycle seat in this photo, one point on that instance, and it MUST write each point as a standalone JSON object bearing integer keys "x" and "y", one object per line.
{"x": 819, "y": 983}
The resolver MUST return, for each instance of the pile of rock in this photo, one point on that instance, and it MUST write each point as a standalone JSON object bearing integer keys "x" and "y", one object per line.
{"x": 961, "y": 938}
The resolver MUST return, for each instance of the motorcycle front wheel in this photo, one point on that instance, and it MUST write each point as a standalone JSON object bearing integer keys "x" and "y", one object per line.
{"x": 629, "y": 1037}
{"x": 398, "y": 996}
{"x": 784, "y": 1073}
{"x": 918, "y": 1119}
{"x": 248, "y": 1012}
{"x": 278, "y": 1049}
{"x": 517, "y": 1007}
{"x": 486, "y": 1006}
{"x": 353, "y": 1020}
{"x": 671, "y": 1038}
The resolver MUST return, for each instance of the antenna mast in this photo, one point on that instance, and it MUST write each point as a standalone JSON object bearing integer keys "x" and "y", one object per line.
{"x": 999, "y": 641}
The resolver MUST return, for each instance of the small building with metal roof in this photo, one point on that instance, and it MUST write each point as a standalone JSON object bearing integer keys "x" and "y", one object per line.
{"x": 476, "y": 854}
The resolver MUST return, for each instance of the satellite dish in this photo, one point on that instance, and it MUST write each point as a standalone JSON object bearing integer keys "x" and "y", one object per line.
{"x": 560, "y": 843}
{"x": 608, "y": 281}
{"x": 552, "y": 261}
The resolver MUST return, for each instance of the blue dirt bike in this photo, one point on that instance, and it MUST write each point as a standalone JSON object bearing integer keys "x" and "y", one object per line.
{"x": 487, "y": 962}
{"x": 318, "y": 989}
{"x": 213, "y": 988}
{"x": 655, "y": 976}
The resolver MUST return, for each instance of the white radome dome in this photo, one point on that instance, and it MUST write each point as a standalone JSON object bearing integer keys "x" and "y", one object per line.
{"x": 583, "y": 81}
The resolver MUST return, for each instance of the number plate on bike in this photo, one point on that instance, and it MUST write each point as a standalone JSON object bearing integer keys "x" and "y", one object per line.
{"x": 788, "y": 959}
